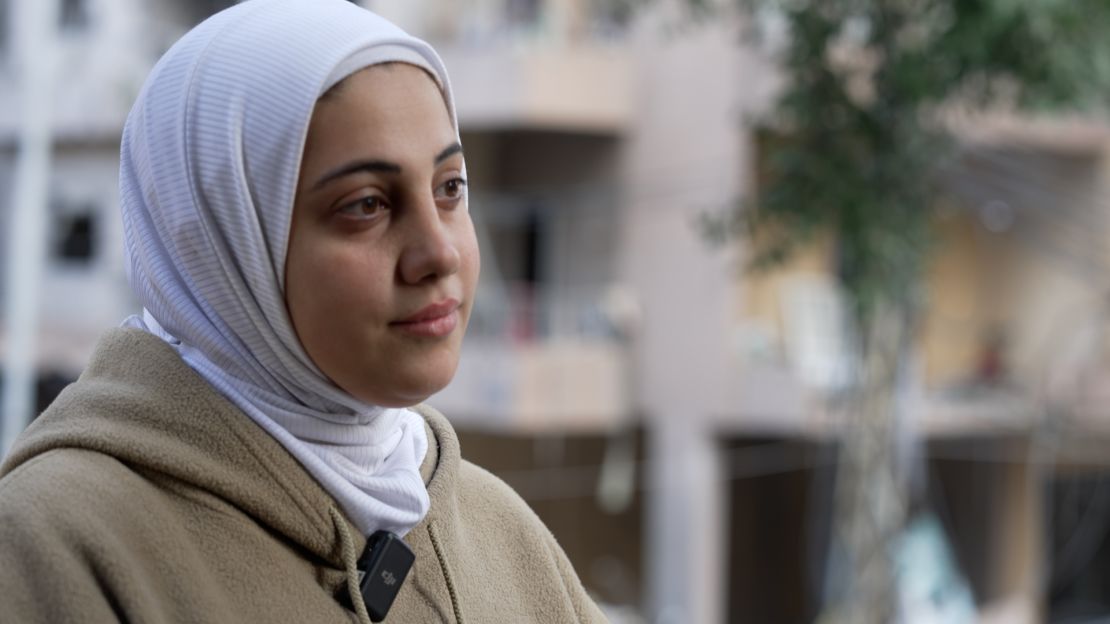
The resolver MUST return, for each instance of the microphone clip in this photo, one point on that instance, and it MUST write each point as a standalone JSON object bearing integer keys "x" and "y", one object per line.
{"x": 383, "y": 566}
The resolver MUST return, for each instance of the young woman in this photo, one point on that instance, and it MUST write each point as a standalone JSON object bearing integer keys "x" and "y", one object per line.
{"x": 252, "y": 448}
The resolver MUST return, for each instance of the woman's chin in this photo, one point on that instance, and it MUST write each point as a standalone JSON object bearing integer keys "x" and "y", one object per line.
{"x": 407, "y": 390}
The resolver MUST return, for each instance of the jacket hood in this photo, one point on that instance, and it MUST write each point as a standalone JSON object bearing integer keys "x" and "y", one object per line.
{"x": 120, "y": 407}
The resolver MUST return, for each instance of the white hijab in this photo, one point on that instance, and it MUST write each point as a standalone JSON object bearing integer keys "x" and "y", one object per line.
{"x": 209, "y": 164}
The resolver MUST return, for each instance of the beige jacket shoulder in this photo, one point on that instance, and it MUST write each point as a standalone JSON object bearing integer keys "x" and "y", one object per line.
{"x": 142, "y": 495}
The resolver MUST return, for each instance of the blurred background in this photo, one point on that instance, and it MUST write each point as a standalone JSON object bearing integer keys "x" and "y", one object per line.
{"x": 678, "y": 420}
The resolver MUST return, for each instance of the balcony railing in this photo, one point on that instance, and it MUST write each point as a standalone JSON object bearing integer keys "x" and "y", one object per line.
{"x": 527, "y": 313}
{"x": 533, "y": 361}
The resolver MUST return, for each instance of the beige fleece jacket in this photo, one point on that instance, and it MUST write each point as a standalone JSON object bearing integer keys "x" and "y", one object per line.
{"x": 142, "y": 495}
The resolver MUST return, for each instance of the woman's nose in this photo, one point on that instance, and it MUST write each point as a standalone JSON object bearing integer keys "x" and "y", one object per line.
{"x": 429, "y": 251}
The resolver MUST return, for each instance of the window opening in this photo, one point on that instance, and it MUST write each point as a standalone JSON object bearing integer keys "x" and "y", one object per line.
{"x": 75, "y": 240}
{"x": 74, "y": 15}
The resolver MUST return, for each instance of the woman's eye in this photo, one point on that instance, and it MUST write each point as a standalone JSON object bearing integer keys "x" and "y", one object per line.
{"x": 453, "y": 189}
{"x": 364, "y": 208}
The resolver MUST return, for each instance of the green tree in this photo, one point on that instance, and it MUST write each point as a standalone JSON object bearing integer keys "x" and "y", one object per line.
{"x": 861, "y": 134}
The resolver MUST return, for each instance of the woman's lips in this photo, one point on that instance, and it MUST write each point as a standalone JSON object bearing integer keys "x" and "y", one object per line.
{"x": 434, "y": 321}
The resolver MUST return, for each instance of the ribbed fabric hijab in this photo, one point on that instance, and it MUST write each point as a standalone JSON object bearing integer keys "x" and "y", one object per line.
{"x": 209, "y": 164}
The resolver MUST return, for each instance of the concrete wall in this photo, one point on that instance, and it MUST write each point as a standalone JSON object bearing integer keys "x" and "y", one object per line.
{"x": 686, "y": 155}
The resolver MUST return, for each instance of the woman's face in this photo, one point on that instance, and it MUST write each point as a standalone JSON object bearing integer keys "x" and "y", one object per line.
{"x": 382, "y": 261}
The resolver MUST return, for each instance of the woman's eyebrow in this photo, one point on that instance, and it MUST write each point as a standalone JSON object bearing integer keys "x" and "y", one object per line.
{"x": 378, "y": 166}
{"x": 371, "y": 166}
{"x": 451, "y": 150}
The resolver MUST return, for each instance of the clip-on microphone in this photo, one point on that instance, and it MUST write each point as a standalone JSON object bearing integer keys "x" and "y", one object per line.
{"x": 382, "y": 568}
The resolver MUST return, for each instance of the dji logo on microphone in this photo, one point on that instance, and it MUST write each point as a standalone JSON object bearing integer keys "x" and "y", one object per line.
{"x": 388, "y": 578}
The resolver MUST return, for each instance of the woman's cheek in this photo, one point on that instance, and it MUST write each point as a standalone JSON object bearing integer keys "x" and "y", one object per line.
{"x": 471, "y": 254}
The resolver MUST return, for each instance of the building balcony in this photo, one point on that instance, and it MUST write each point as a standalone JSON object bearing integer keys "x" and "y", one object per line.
{"x": 523, "y": 370}
{"x": 585, "y": 89}
{"x": 528, "y": 64}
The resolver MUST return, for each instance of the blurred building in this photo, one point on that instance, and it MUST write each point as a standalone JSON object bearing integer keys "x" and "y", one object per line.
{"x": 595, "y": 144}
{"x": 672, "y": 419}
{"x": 105, "y": 48}
{"x": 1006, "y": 413}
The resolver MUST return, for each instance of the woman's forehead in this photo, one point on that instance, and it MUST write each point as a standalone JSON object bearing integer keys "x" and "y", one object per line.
{"x": 382, "y": 95}
{"x": 395, "y": 115}
{"x": 386, "y": 66}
